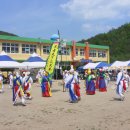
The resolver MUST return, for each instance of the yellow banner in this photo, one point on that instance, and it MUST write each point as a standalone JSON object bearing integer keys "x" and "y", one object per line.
{"x": 50, "y": 65}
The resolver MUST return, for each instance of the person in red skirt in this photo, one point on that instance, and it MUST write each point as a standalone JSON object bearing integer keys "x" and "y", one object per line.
{"x": 77, "y": 85}
{"x": 97, "y": 79}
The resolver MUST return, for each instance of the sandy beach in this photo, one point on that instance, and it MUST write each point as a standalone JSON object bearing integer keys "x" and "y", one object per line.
{"x": 94, "y": 112}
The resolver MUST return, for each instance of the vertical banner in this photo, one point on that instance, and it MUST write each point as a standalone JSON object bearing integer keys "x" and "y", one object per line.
{"x": 51, "y": 61}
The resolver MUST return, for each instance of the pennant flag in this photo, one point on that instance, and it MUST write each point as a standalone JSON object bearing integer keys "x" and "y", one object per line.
{"x": 51, "y": 61}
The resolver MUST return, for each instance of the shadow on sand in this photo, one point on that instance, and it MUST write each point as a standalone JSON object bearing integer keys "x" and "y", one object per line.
{"x": 116, "y": 99}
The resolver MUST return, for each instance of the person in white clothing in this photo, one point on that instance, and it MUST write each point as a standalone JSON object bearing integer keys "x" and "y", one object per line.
{"x": 10, "y": 80}
{"x": 127, "y": 79}
{"x": 119, "y": 83}
{"x": 1, "y": 83}
{"x": 69, "y": 83}
{"x": 65, "y": 75}
{"x": 27, "y": 85}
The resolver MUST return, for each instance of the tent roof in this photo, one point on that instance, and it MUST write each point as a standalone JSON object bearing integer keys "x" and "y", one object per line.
{"x": 35, "y": 58}
{"x": 8, "y": 62}
{"x": 120, "y": 63}
{"x": 5, "y": 57}
{"x": 102, "y": 64}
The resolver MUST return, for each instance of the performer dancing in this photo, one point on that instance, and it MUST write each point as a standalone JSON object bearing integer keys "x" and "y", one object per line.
{"x": 17, "y": 89}
{"x": 27, "y": 85}
{"x": 77, "y": 85}
{"x": 90, "y": 85}
{"x": 120, "y": 84}
{"x": 1, "y": 83}
{"x": 10, "y": 80}
{"x": 102, "y": 84}
{"x": 69, "y": 83}
{"x": 45, "y": 85}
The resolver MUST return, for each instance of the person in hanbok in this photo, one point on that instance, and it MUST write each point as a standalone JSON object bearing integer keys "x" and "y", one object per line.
{"x": 126, "y": 80}
{"x": 27, "y": 85}
{"x": 1, "y": 83}
{"x": 45, "y": 85}
{"x": 10, "y": 80}
{"x": 107, "y": 78}
{"x": 39, "y": 76}
{"x": 17, "y": 89}
{"x": 90, "y": 84}
{"x": 102, "y": 83}
{"x": 97, "y": 79}
{"x": 69, "y": 83}
{"x": 77, "y": 85}
{"x": 120, "y": 85}
{"x": 65, "y": 75}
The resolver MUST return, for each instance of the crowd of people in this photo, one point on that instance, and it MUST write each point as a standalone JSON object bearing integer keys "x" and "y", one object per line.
{"x": 21, "y": 84}
{"x": 98, "y": 80}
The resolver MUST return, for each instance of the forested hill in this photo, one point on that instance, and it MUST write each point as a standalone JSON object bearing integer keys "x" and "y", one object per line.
{"x": 117, "y": 39}
{"x": 6, "y": 33}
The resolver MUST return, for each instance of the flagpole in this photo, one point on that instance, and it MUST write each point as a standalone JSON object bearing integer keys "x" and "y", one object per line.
{"x": 60, "y": 46}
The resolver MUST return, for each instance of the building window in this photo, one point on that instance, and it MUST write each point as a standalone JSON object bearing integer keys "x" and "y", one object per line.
{"x": 29, "y": 49}
{"x": 92, "y": 53}
{"x": 102, "y": 54}
{"x": 76, "y": 51}
{"x": 46, "y": 49}
{"x": 81, "y": 52}
{"x": 10, "y": 47}
{"x": 64, "y": 51}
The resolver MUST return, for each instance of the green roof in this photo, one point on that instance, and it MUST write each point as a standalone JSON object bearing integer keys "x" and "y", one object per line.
{"x": 24, "y": 39}
{"x": 98, "y": 46}
{"x": 92, "y": 46}
{"x": 39, "y": 40}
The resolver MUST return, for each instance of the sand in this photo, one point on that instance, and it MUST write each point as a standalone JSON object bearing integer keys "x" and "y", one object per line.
{"x": 94, "y": 112}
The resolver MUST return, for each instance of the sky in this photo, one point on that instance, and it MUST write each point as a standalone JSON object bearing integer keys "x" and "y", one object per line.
{"x": 75, "y": 19}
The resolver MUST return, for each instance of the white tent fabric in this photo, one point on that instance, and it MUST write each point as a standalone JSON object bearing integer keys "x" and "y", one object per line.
{"x": 91, "y": 65}
{"x": 8, "y": 62}
{"x": 34, "y": 61}
{"x": 120, "y": 64}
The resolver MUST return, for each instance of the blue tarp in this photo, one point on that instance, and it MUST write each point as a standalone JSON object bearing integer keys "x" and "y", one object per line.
{"x": 5, "y": 58}
{"x": 85, "y": 61}
{"x": 102, "y": 64}
{"x": 35, "y": 59}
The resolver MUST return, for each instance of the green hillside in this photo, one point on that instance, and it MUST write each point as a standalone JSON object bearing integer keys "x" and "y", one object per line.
{"x": 117, "y": 39}
{"x": 6, "y": 33}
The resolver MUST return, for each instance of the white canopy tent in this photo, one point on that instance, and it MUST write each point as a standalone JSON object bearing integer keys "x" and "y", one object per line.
{"x": 34, "y": 61}
{"x": 91, "y": 65}
{"x": 8, "y": 62}
{"x": 120, "y": 64}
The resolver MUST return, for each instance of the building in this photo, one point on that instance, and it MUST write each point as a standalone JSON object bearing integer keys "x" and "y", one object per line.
{"x": 20, "y": 48}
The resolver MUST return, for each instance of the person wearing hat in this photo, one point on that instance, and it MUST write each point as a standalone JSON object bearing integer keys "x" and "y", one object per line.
{"x": 27, "y": 85}
{"x": 102, "y": 83}
{"x": 10, "y": 80}
{"x": 90, "y": 84}
{"x": 77, "y": 85}
{"x": 39, "y": 76}
{"x": 65, "y": 75}
{"x": 126, "y": 79}
{"x": 97, "y": 79}
{"x": 45, "y": 85}
{"x": 120, "y": 84}
{"x": 1, "y": 83}
{"x": 69, "y": 83}
{"x": 17, "y": 89}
